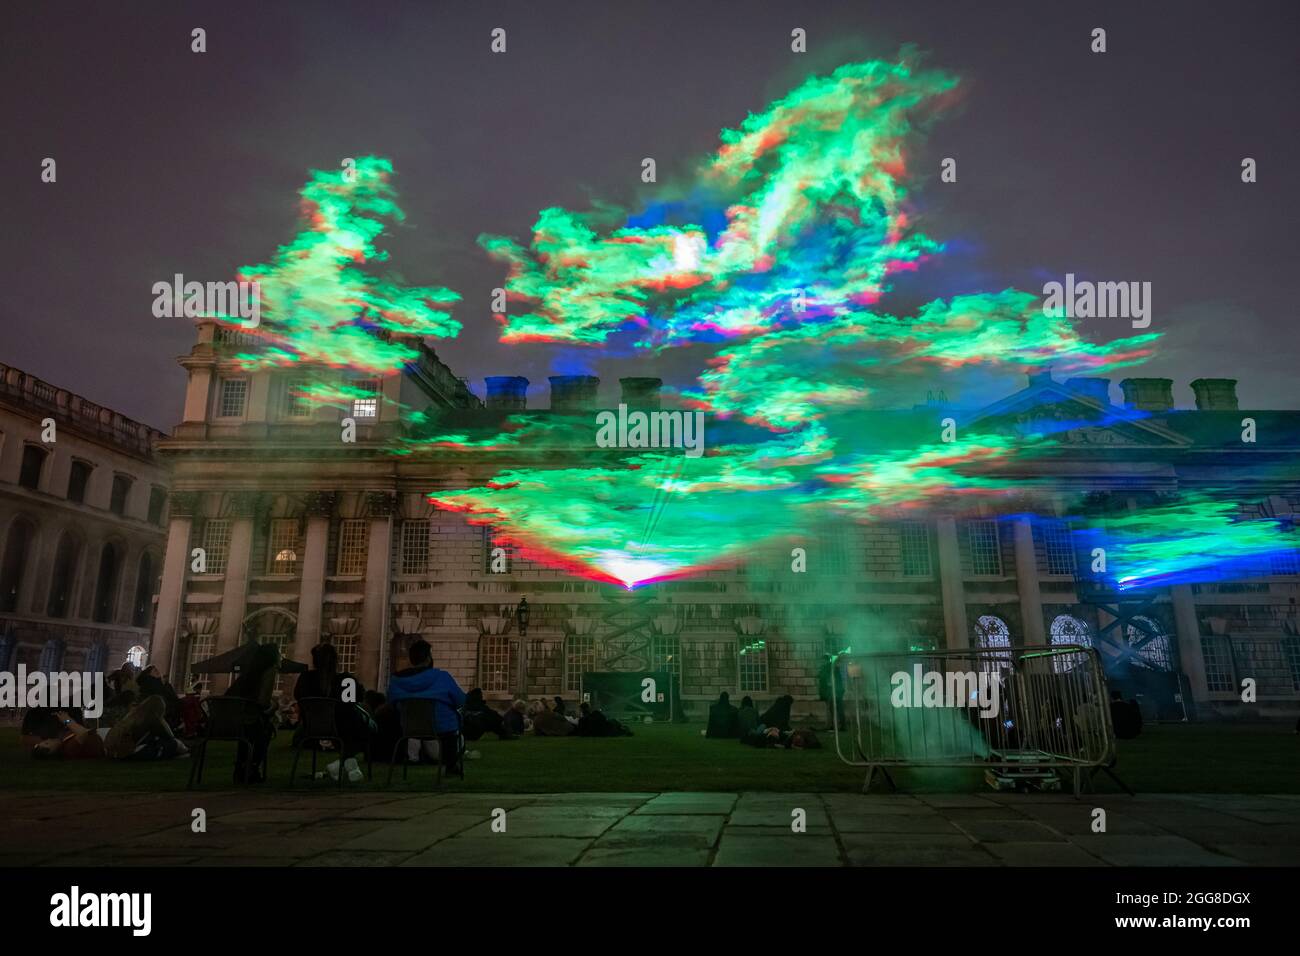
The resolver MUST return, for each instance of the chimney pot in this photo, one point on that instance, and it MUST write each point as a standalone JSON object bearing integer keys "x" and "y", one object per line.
{"x": 1215, "y": 394}
{"x": 507, "y": 391}
{"x": 1148, "y": 394}
{"x": 641, "y": 392}
{"x": 570, "y": 393}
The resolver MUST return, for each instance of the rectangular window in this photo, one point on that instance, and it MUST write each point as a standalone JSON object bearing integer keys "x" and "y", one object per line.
{"x": 1058, "y": 544}
{"x": 914, "y": 539}
{"x": 1218, "y": 665}
{"x": 415, "y": 547}
{"x": 834, "y": 548}
{"x": 347, "y": 650}
{"x": 157, "y": 501}
{"x": 1284, "y": 562}
{"x": 234, "y": 398}
{"x": 33, "y": 462}
{"x": 121, "y": 488}
{"x": 985, "y": 551}
{"x": 579, "y": 658}
{"x": 282, "y": 546}
{"x": 494, "y": 663}
{"x": 364, "y": 407}
{"x": 296, "y": 403}
{"x": 352, "y": 546}
{"x": 1291, "y": 649}
{"x": 216, "y": 545}
{"x": 752, "y": 668}
{"x": 202, "y": 646}
{"x": 78, "y": 479}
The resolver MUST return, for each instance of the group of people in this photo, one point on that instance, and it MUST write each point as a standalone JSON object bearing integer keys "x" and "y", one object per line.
{"x": 141, "y": 720}
{"x": 771, "y": 728}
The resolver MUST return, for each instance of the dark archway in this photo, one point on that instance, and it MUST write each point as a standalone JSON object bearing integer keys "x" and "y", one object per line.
{"x": 63, "y": 579}
{"x": 106, "y": 584}
{"x": 13, "y": 568}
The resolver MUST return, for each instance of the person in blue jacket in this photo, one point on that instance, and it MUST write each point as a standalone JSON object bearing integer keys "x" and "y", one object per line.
{"x": 425, "y": 682}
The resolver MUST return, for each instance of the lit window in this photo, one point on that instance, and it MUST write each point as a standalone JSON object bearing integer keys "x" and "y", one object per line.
{"x": 363, "y": 407}
{"x": 1150, "y": 642}
{"x": 992, "y": 634}
{"x": 346, "y": 646}
{"x": 135, "y": 656}
{"x": 914, "y": 539}
{"x": 985, "y": 552}
{"x": 1068, "y": 630}
{"x": 283, "y": 546}
{"x": 234, "y": 396}
{"x": 352, "y": 546}
{"x": 751, "y": 669}
{"x": 216, "y": 544}
{"x": 415, "y": 547}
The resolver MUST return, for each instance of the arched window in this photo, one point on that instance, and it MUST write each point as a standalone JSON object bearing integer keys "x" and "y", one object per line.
{"x": 143, "y": 602}
{"x": 97, "y": 658}
{"x": 17, "y": 544}
{"x": 1068, "y": 630}
{"x": 8, "y": 642}
{"x": 51, "y": 656}
{"x": 64, "y": 577}
{"x": 1150, "y": 643}
{"x": 136, "y": 656}
{"x": 106, "y": 584}
{"x": 992, "y": 634}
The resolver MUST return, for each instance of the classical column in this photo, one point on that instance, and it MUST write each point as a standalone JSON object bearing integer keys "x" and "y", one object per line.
{"x": 171, "y": 595}
{"x": 320, "y": 507}
{"x": 234, "y": 596}
{"x": 1190, "y": 658}
{"x": 950, "y": 584}
{"x": 1031, "y": 600}
{"x": 374, "y": 617}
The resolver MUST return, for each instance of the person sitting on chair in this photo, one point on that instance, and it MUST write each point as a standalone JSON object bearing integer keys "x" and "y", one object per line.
{"x": 722, "y": 718}
{"x": 423, "y": 681}
{"x": 324, "y": 680}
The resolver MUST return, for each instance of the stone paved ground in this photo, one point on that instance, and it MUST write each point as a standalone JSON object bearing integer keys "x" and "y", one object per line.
{"x": 326, "y": 828}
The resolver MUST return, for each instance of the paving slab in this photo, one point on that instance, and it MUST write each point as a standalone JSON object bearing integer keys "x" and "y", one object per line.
{"x": 501, "y": 850}
{"x": 892, "y": 823}
{"x": 413, "y": 835}
{"x": 785, "y": 849}
{"x": 653, "y": 856}
{"x": 1042, "y": 854}
{"x": 665, "y": 829}
{"x": 1150, "y": 851}
{"x": 1011, "y": 831}
{"x": 690, "y": 803}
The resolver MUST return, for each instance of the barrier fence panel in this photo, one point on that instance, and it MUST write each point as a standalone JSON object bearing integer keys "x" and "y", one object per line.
{"x": 1027, "y": 711}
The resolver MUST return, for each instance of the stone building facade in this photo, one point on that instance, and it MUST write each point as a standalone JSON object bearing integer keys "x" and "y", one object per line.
{"x": 310, "y": 539}
{"x": 83, "y": 505}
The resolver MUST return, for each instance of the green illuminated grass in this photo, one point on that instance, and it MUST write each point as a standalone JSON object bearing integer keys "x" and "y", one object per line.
{"x": 1254, "y": 758}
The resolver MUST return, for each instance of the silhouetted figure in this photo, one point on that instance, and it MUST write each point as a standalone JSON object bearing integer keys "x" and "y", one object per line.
{"x": 778, "y": 715}
{"x": 723, "y": 718}
{"x": 746, "y": 717}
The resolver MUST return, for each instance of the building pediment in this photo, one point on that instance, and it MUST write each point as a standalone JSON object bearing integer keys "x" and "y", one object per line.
{"x": 1075, "y": 420}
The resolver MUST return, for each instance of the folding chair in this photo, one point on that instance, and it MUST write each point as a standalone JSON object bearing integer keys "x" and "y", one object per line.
{"x": 228, "y": 720}
{"x": 418, "y": 718}
{"x": 319, "y": 716}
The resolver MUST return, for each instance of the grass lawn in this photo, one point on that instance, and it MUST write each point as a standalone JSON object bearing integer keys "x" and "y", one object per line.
{"x": 1169, "y": 758}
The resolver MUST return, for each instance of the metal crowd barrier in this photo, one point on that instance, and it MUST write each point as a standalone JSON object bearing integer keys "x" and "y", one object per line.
{"x": 1027, "y": 715}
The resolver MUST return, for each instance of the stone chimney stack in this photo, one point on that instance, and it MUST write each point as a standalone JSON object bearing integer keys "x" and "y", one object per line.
{"x": 572, "y": 393}
{"x": 507, "y": 392}
{"x": 1215, "y": 394}
{"x": 641, "y": 392}
{"x": 1148, "y": 394}
{"x": 1098, "y": 389}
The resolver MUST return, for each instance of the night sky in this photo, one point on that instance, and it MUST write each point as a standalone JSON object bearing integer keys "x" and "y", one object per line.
{"x": 1120, "y": 166}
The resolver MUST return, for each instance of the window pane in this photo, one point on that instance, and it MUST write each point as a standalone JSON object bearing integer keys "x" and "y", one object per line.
{"x": 352, "y": 547}
{"x": 282, "y": 556}
{"x": 216, "y": 544}
{"x": 366, "y": 407}
{"x": 915, "y": 543}
{"x": 415, "y": 547}
{"x": 234, "y": 394}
